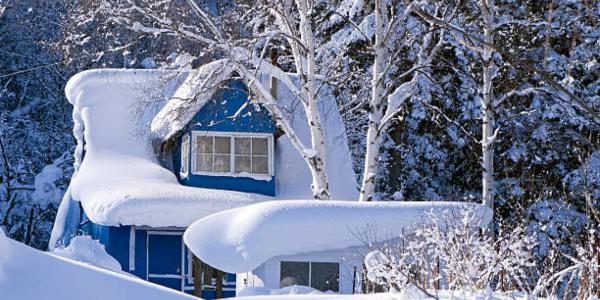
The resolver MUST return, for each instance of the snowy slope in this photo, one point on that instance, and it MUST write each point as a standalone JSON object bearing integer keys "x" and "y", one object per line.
{"x": 26, "y": 273}
{"x": 241, "y": 239}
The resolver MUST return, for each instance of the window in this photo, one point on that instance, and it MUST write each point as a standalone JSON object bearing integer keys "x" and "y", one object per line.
{"x": 185, "y": 154}
{"x": 232, "y": 154}
{"x": 323, "y": 276}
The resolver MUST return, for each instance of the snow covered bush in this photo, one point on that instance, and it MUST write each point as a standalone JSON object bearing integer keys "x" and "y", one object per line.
{"x": 450, "y": 253}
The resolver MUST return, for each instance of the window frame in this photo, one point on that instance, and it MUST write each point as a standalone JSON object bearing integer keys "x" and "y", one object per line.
{"x": 310, "y": 266}
{"x": 232, "y": 136}
{"x": 188, "y": 151}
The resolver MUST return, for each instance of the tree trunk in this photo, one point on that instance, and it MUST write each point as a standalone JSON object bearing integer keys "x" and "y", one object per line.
{"x": 320, "y": 182}
{"x": 373, "y": 146}
{"x": 197, "y": 273}
{"x": 487, "y": 141}
{"x": 219, "y": 284}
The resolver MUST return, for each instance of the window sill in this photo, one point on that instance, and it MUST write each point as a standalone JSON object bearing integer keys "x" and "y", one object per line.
{"x": 262, "y": 177}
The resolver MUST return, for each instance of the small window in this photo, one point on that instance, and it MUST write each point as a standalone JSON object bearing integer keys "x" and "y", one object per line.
{"x": 323, "y": 276}
{"x": 294, "y": 273}
{"x": 235, "y": 154}
{"x": 185, "y": 154}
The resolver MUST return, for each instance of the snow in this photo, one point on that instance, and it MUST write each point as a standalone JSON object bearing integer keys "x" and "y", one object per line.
{"x": 87, "y": 250}
{"x": 234, "y": 240}
{"x": 190, "y": 97}
{"x": 119, "y": 181}
{"x": 289, "y": 290}
{"x": 409, "y": 294}
{"x": 26, "y": 273}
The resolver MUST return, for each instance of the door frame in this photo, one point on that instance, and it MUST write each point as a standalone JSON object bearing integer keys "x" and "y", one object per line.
{"x": 181, "y": 275}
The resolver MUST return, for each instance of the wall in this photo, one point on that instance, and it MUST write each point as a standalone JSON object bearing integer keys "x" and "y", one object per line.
{"x": 216, "y": 116}
{"x": 268, "y": 274}
{"x": 117, "y": 243}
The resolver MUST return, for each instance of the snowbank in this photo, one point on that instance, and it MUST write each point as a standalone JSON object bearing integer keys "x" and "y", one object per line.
{"x": 121, "y": 182}
{"x": 87, "y": 250}
{"x": 26, "y": 273}
{"x": 289, "y": 290}
{"x": 239, "y": 240}
{"x": 411, "y": 294}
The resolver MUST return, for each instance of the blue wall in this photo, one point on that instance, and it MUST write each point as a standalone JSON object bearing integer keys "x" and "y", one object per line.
{"x": 167, "y": 250}
{"x": 215, "y": 116}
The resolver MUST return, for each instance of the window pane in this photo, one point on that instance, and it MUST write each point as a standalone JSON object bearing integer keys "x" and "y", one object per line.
{"x": 204, "y": 163}
{"x": 242, "y": 164}
{"x": 242, "y": 145}
{"x": 260, "y": 146}
{"x": 325, "y": 276}
{"x": 260, "y": 164}
{"x": 204, "y": 144}
{"x": 222, "y": 145}
{"x": 222, "y": 163}
{"x": 293, "y": 273}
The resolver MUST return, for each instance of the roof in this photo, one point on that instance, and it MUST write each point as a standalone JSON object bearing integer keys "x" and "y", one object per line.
{"x": 121, "y": 182}
{"x": 239, "y": 240}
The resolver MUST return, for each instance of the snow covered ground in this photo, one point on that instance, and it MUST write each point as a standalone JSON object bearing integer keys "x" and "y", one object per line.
{"x": 26, "y": 273}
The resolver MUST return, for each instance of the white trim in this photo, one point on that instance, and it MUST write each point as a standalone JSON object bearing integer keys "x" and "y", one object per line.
{"x": 232, "y": 135}
{"x": 190, "y": 267}
{"x": 182, "y": 268}
{"x": 164, "y": 276}
{"x": 165, "y": 232}
{"x": 189, "y": 153}
{"x": 132, "y": 248}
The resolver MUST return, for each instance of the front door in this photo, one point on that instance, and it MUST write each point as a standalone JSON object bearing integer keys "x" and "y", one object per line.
{"x": 165, "y": 258}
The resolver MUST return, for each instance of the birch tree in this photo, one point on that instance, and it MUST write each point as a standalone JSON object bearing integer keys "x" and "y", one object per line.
{"x": 388, "y": 90}
{"x": 242, "y": 56}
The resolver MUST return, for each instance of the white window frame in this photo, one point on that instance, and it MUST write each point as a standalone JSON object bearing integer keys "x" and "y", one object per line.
{"x": 189, "y": 152}
{"x": 232, "y": 136}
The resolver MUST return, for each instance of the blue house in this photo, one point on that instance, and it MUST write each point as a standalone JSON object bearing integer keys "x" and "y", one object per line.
{"x": 136, "y": 191}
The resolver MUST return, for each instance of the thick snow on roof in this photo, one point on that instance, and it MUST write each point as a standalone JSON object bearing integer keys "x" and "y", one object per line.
{"x": 241, "y": 239}
{"x": 120, "y": 181}
{"x": 27, "y": 273}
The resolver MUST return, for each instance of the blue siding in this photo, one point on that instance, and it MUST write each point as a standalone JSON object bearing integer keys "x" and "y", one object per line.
{"x": 216, "y": 116}
{"x": 165, "y": 255}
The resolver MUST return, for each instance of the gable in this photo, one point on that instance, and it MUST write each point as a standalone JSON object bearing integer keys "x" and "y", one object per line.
{"x": 222, "y": 112}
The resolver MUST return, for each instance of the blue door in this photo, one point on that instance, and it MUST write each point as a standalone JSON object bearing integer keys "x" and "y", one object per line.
{"x": 165, "y": 258}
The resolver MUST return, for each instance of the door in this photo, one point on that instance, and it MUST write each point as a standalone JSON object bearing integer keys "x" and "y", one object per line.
{"x": 165, "y": 258}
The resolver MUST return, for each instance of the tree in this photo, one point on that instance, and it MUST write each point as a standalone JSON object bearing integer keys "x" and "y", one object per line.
{"x": 244, "y": 55}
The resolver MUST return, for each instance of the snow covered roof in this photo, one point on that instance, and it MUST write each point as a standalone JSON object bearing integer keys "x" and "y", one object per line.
{"x": 121, "y": 182}
{"x": 27, "y": 273}
{"x": 239, "y": 240}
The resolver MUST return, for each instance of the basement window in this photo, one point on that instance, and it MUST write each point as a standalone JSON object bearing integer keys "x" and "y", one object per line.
{"x": 323, "y": 276}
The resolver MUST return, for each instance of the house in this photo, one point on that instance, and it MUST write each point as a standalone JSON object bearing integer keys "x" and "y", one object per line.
{"x": 28, "y": 273}
{"x": 139, "y": 182}
{"x": 317, "y": 244}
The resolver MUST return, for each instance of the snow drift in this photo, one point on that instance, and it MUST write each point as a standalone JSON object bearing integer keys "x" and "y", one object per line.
{"x": 241, "y": 239}
{"x": 26, "y": 273}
